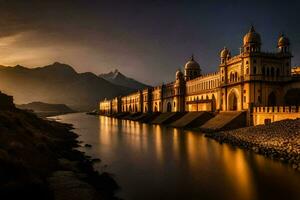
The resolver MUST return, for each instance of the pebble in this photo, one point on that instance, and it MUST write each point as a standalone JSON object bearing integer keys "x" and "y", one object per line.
{"x": 279, "y": 140}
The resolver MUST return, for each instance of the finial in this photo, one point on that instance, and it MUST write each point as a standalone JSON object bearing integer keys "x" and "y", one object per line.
{"x": 192, "y": 58}
{"x": 252, "y": 28}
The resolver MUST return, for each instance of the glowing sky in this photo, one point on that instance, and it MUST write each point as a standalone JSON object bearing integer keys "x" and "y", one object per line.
{"x": 147, "y": 40}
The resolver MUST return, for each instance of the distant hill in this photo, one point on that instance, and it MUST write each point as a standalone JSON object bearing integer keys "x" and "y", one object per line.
{"x": 118, "y": 78}
{"x": 45, "y": 107}
{"x": 59, "y": 84}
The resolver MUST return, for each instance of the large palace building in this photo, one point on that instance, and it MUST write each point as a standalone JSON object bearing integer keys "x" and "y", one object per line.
{"x": 244, "y": 82}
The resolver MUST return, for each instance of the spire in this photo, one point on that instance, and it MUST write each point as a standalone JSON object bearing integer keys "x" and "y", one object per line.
{"x": 192, "y": 58}
{"x": 252, "y": 28}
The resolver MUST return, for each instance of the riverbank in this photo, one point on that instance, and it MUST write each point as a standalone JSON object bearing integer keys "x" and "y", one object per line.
{"x": 38, "y": 161}
{"x": 279, "y": 140}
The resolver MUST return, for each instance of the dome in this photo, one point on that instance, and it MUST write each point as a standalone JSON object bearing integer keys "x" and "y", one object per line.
{"x": 179, "y": 74}
{"x": 224, "y": 53}
{"x": 192, "y": 64}
{"x": 283, "y": 41}
{"x": 252, "y": 37}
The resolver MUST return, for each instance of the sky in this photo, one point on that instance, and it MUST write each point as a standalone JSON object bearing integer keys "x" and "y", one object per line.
{"x": 146, "y": 40}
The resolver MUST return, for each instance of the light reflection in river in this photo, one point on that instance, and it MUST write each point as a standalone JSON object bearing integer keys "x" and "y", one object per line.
{"x": 156, "y": 162}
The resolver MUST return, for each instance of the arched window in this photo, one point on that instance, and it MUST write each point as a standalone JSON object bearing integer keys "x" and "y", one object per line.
{"x": 235, "y": 76}
{"x": 247, "y": 70}
{"x": 277, "y": 72}
{"x": 272, "y": 72}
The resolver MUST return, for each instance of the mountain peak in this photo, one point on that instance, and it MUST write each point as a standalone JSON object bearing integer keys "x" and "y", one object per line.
{"x": 116, "y": 77}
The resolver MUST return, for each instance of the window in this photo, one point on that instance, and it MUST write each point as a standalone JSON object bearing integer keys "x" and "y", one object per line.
{"x": 272, "y": 72}
{"x": 277, "y": 72}
{"x": 263, "y": 70}
{"x": 254, "y": 61}
{"x": 254, "y": 70}
{"x": 244, "y": 98}
{"x": 247, "y": 70}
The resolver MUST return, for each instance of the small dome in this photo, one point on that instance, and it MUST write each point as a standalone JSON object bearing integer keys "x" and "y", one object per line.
{"x": 224, "y": 53}
{"x": 283, "y": 41}
{"x": 179, "y": 74}
{"x": 252, "y": 37}
{"x": 192, "y": 64}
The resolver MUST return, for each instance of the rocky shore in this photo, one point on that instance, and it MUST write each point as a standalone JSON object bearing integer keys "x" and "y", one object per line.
{"x": 279, "y": 140}
{"x": 38, "y": 160}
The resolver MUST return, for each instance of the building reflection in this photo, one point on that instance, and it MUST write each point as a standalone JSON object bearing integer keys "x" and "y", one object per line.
{"x": 187, "y": 150}
{"x": 238, "y": 173}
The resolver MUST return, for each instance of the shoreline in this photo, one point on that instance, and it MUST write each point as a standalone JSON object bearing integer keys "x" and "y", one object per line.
{"x": 38, "y": 160}
{"x": 277, "y": 141}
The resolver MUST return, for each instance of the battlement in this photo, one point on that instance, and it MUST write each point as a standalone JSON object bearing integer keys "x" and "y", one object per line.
{"x": 277, "y": 109}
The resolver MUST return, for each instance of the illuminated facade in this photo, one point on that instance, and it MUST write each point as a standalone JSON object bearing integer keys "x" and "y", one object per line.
{"x": 252, "y": 78}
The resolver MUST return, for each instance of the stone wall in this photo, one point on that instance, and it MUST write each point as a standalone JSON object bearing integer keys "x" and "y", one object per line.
{"x": 266, "y": 115}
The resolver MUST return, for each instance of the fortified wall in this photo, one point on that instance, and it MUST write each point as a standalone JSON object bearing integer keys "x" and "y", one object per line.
{"x": 266, "y": 115}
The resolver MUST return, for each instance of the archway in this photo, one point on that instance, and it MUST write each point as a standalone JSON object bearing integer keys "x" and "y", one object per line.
{"x": 272, "y": 99}
{"x": 213, "y": 106}
{"x": 130, "y": 108}
{"x": 292, "y": 97}
{"x": 169, "y": 107}
{"x": 233, "y": 101}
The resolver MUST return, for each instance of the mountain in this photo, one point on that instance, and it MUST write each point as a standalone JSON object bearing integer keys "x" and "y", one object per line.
{"x": 41, "y": 107}
{"x": 59, "y": 84}
{"x": 118, "y": 78}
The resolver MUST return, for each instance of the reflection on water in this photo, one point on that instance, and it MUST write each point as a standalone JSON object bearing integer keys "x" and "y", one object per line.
{"x": 156, "y": 162}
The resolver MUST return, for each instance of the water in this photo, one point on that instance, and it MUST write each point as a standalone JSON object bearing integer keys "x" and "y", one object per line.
{"x": 156, "y": 162}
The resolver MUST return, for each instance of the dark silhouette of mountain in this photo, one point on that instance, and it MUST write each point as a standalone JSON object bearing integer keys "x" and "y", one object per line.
{"x": 45, "y": 107}
{"x": 59, "y": 84}
{"x": 118, "y": 78}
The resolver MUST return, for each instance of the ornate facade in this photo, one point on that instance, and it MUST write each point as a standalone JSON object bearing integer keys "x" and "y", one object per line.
{"x": 250, "y": 79}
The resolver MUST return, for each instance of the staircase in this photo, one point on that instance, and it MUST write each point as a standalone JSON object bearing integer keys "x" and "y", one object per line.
{"x": 225, "y": 121}
{"x": 164, "y": 117}
{"x": 192, "y": 119}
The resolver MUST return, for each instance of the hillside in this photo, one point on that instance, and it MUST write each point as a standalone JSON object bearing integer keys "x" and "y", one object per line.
{"x": 46, "y": 109}
{"x": 38, "y": 160}
{"x": 59, "y": 84}
{"x": 118, "y": 78}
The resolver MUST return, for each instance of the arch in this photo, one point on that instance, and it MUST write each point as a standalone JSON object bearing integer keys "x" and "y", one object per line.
{"x": 130, "y": 108}
{"x": 169, "y": 107}
{"x": 292, "y": 97}
{"x": 272, "y": 72}
{"x": 232, "y": 101}
{"x": 213, "y": 106}
{"x": 272, "y": 99}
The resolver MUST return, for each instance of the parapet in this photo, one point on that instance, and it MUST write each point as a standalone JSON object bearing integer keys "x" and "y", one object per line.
{"x": 276, "y": 109}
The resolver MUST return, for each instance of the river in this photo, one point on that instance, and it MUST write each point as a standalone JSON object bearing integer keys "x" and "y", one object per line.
{"x": 152, "y": 162}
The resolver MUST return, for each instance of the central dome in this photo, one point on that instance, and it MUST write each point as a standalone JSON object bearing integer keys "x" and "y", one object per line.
{"x": 192, "y": 64}
{"x": 252, "y": 37}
